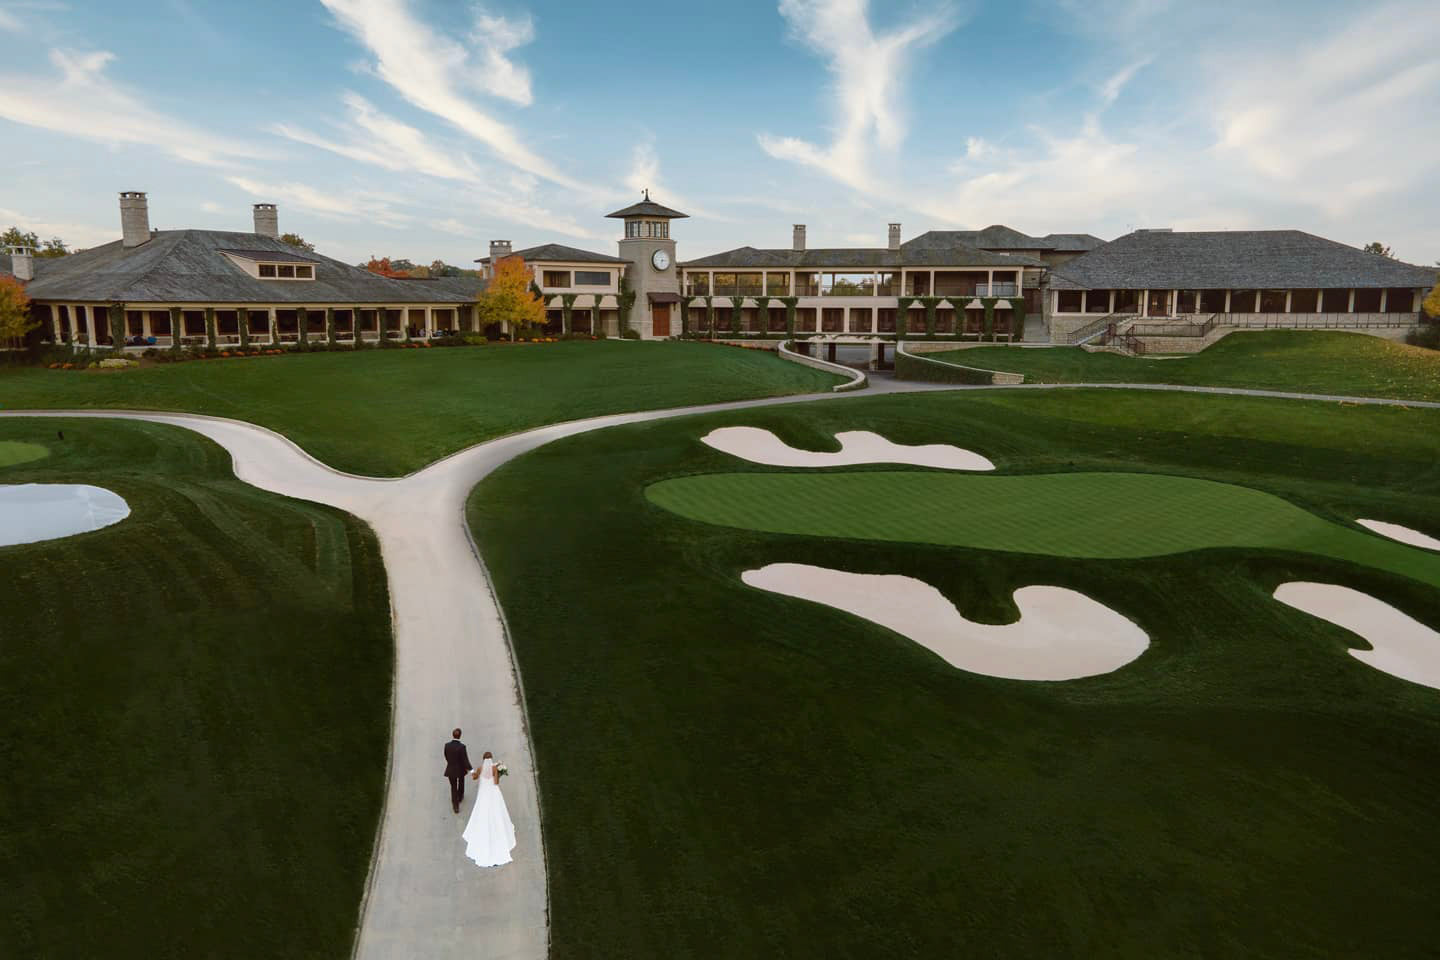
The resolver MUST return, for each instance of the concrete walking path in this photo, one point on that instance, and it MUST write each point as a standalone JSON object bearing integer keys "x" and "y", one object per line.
{"x": 453, "y": 666}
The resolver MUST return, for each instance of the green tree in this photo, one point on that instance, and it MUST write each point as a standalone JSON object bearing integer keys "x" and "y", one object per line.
{"x": 1380, "y": 248}
{"x": 15, "y": 319}
{"x": 15, "y": 237}
{"x": 295, "y": 240}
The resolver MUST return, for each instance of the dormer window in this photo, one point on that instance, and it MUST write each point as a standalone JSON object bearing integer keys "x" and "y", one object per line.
{"x": 286, "y": 271}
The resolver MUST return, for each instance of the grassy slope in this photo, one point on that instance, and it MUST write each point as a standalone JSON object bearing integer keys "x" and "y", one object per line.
{"x": 1100, "y": 515}
{"x": 390, "y": 412}
{"x": 731, "y": 773}
{"x": 194, "y": 711}
{"x": 1344, "y": 364}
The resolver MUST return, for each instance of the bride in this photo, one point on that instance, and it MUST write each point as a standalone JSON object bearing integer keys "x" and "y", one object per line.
{"x": 489, "y": 836}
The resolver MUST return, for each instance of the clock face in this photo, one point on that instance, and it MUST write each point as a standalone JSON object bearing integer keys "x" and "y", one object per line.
{"x": 661, "y": 259}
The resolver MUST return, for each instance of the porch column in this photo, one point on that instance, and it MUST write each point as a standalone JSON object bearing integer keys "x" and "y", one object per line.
{"x": 1257, "y": 302}
{"x": 145, "y": 323}
{"x": 429, "y": 322}
{"x": 1084, "y": 301}
{"x": 55, "y": 323}
{"x": 1415, "y": 302}
{"x": 931, "y": 291}
{"x": 1384, "y": 295}
{"x": 1351, "y": 307}
{"x": 990, "y": 286}
{"x": 1144, "y": 303}
{"x": 1319, "y": 300}
{"x": 274, "y": 327}
{"x": 1288, "y": 295}
{"x": 901, "y": 291}
{"x": 80, "y": 313}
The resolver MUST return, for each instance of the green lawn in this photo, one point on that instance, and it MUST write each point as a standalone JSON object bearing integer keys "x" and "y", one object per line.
{"x": 13, "y": 452}
{"x": 1100, "y": 515}
{"x": 729, "y": 772}
{"x": 1319, "y": 361}
{"x": 391, "y": 412}
{"x": 194, "y": 711}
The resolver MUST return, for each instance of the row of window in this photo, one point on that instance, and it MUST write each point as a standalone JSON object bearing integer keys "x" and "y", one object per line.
{"x": 550, "y": 279}
{"x": 647, "y": 229}
{"x": 833, "y": 320}
{"x": 287, "y": 271}
{"x": 838, "y": 284}
{"x": 1166, "y": 302}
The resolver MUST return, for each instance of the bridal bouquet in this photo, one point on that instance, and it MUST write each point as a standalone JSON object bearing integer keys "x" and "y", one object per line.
{"x": 501, "y": 769}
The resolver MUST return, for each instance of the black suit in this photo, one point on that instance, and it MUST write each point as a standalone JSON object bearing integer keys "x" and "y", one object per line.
{"x": 457, "y": 766}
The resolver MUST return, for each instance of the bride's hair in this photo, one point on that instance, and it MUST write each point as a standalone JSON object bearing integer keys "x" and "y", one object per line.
{"x": 487, "y": 755}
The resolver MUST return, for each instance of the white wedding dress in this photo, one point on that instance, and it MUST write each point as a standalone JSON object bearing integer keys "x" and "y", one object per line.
{"x": 489, "y": 836}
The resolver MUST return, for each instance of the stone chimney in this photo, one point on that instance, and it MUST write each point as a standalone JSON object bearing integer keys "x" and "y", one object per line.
{"x": 267, "y": 220}
{"x": 798, "y": 243}
{"x": 134, "y": 218}
{"x": 499, "y": 250}
{"x": 22, "y": 262}
{"x": 894, "y": 236}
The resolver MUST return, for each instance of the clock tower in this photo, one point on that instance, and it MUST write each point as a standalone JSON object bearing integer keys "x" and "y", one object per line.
{"x": 652, "y": 273}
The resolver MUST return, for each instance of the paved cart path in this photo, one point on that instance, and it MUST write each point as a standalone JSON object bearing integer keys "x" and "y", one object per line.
{"x": 453, "y": 667}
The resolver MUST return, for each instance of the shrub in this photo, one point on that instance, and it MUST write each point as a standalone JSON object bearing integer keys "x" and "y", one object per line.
{"x": 1426, "y": 335}
{"x": 629, "y": 333}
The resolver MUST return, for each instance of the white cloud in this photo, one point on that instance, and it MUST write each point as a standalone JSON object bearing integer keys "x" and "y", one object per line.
{"x": 376, "y": 138}
{"x": 75, "y": 235}
{"x": 82, "y": 101}
{"x": 347, "y": 206}
{"x": 430, "y": 71}
{"x": 868, "y": 71}
{"x": 497, "y": 74}
{"x": 210, "y": 206}
{"x": 1110, "y": 89}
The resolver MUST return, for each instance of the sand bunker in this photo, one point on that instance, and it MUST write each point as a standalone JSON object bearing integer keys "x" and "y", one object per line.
{"x": 1404, "y": 647}
{"x": 1404, "y": 534}
{"x": 31, "y": 512}
{"x": 856, "y": 447}
{"x": 1061, "y": 634}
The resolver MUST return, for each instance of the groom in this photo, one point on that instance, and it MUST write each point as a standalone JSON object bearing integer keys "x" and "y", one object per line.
{"x": 457, "y": 765}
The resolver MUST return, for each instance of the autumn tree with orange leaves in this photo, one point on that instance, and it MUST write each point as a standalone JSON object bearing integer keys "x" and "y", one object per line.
{"x": 383, "y": 268}
{"x": 15, "y": 318}
{"x": 508, "y": 299}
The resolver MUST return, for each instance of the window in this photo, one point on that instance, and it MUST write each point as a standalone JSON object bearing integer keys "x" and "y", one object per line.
{"x": 1242, "y": 301}
{"x": 1069, "y": 301}
{"x": 888, "y": 285}
{"x": 1367, "y": 301}
{"x": 724, "y": 284}
{"x": 847, "y": 284}
{"x": 777, "y": 284}
{"x": 1304, "y": 301}
{"x": 555, "y": 278}
{"x": 632, "y": 229}
{"x": 285, "y": 271}
{"x": 1185, "y": 301}
{"x": 697, "y": 284}
{"x": 1272, "y": 301}
{"x": 1399, "y": 300}
{"x": 807, "y": 285}
{"x": 1212, "y": 301}
{"x": 592, "y": 278}
{"x": 748, "y": 284}
{"x": 1097, "y": 301}
{"x": 1336, "y": 301}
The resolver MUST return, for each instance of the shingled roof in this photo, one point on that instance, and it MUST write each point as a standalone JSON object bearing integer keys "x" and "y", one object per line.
{"x": 868, "y": 257}
{"x": 1233, "y": 259}
{"x": 561, "y": 253}
{"x": 649, "y": 208}
{"x": 1000, "y": 237}
{"x": 190, "y": 266}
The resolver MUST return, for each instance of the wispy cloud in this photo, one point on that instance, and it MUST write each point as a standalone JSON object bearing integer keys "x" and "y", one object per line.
{"x": 432, "y": 71}
{"x": 339, "y": 206}
{"x": 77, "y": 235}
{"x": 494, "y": 37}
{"x": 81, "y": 100}
{"x": 376, "y": 138}
{"x": 867, "y": 71}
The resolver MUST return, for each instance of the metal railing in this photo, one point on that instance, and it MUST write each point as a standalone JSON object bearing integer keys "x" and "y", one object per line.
{"x": 1198, "y": 329}
{"x": 1089, "y": 331}
{"x": 1317, "y": 321}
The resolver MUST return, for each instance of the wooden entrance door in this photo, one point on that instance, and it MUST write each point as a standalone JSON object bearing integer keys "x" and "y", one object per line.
{"x": 660, "y": 313}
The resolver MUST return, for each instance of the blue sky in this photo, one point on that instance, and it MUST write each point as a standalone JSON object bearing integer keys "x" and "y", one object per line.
{"x": 425, "y": 128}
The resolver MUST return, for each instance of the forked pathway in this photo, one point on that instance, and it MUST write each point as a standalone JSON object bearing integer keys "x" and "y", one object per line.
{"x": 452, "y": 667}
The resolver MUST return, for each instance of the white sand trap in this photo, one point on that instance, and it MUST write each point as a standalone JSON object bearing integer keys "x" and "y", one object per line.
{"x": 1061, "y": 634}
{"x": 856, "y": 447}
{"x": 1404, "y": 534}
{"x": 1404, "y": 647}
{"x": 31, "y": 512}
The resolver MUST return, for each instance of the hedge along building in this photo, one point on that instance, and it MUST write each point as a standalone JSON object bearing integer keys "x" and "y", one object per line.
{"x": 253, "y": 287}
{"x": 592, "y": 292}
{"x": 1279, "y": 278}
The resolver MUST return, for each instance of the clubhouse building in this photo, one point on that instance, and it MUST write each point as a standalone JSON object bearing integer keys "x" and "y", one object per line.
{"x": 951, "y": 284}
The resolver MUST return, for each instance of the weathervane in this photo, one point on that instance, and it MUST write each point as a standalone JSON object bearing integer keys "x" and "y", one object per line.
{"x": 647, "y": 193}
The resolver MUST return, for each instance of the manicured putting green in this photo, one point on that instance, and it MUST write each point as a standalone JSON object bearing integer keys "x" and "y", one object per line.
{"x": 16, "y": 451}
{"x": 1099, "y": 515}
